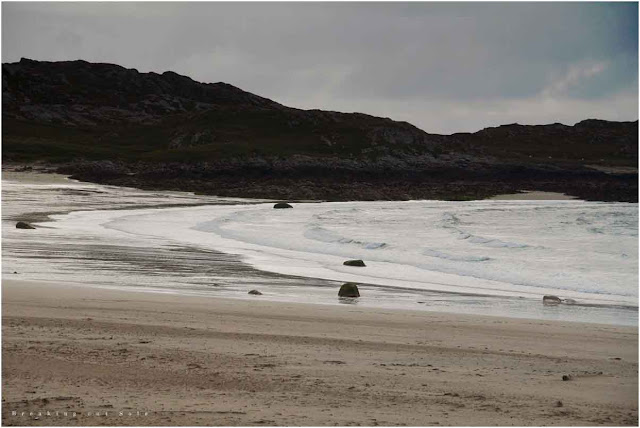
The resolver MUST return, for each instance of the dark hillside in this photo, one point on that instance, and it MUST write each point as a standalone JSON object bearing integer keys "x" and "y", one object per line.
{"x": 106, "y": 123}
{"x": 597, "y": 142}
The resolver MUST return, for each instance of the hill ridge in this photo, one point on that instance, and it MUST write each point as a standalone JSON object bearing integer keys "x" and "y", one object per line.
{"x": 80, "y": 113}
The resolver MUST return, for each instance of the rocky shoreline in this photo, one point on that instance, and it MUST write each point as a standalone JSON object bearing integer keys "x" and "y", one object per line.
{"x": 335, "y": 184}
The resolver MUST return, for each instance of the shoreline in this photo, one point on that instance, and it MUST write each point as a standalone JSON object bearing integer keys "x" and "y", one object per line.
{"x": 253, "y": 362}
{"x": 142, "y": 294}
{"x": 375, "y": 294}
{"x": 612, "y": 186}
{"x": 345, "y": 303}
{"x": 46, "y": 177}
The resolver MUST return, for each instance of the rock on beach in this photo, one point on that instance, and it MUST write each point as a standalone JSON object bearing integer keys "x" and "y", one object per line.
{"x": 280, "y": 205}
{"x": 23, "y": 225}
{"x": 349, "y": 289}
{"x": 551, "y": 300}
{"x": 358, "y": 263}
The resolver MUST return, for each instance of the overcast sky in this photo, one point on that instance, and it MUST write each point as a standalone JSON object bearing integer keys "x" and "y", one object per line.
{"x": 445, "y": 67}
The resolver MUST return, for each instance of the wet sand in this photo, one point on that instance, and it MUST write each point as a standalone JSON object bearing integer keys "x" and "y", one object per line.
{"x": 206, "y": 361}
{"x": 533, "y": 195}
{"x": 34, "y": 177}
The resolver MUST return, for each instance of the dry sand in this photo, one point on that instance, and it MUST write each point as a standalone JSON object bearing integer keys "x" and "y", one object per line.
{"x": 208, "y": 361}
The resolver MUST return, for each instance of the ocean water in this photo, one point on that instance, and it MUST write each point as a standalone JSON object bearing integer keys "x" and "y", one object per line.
{"x": 492, "y": 257}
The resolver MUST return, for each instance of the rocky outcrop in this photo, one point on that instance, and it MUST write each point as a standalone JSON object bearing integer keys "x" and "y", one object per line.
{"x": 255, "y": 293}
{"x": 281, "y": 205}
{"x": 23, "y": 225}
{"x": 358, "y": 263}
{"x": 80, "y": 93}
{"x": 555, "y": 300}
{"x": 349, "y": 289}
{"x": 589, "y": 140}
{"x": 551, "y": 300}
{"x": 293, "y": 179}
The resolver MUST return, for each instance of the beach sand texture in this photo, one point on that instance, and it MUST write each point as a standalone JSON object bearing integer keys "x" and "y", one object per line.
{"x": 205, "y": 361}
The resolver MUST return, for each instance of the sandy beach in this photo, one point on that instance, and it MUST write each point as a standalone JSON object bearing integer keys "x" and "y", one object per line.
{"x": 140, "y": 358}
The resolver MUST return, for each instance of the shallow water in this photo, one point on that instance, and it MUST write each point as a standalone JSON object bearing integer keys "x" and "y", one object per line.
{"x": 484, "y": 257}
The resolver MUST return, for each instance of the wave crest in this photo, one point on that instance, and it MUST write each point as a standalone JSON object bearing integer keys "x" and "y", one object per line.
{"x": 319, "y": 233}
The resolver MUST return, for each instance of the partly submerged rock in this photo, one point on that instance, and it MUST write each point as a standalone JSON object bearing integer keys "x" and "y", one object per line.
{"x": 255, "y": 293}
{"x": 359, "y": 263}
{"x": 23, "y": 225}
{"x": 349, "y": 289}
{"x": 567, "y": 377}
{"x": 282, "y": 205}
{"x": 551, "y": 300}
{"x": 555, "y": 300}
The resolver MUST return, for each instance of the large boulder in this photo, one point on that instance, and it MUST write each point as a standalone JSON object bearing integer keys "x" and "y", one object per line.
{"x": 358, "y": 263}
{"x": 255, "y": 293}
{"x": 349, "y": 289}
{"x": 551, "y": 300}
{"x": 23, "y": 225}
{"x": 282, "y": 205}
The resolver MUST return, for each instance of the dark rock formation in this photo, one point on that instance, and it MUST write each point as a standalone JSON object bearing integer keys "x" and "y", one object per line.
{"x": 555, "y": 300}
{"x": 280, "y": 205}
{"x": 78, "y": 93}
{"x": 255, "y": 293}
{"x": 358, "y": 263}
{"x": 23, "y": 225}
{"x": 551, "y": 300}
{"x": 349, "y": 289}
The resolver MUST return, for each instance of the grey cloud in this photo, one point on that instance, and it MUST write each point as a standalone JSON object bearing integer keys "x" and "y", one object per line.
{"x": 401, "y": 60}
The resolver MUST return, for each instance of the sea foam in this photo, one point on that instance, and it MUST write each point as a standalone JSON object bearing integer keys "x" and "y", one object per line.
{"x": 515, "y": 248}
